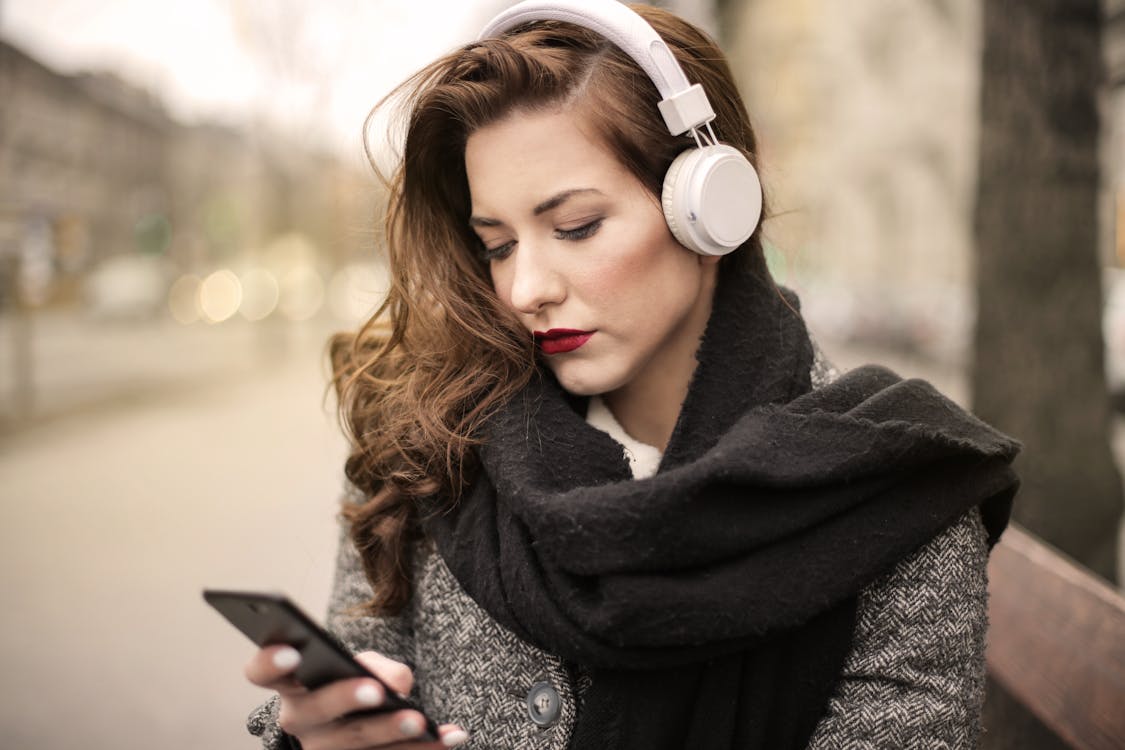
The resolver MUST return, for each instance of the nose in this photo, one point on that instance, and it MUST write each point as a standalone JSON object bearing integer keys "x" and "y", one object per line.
{"x": 534, "y": 283}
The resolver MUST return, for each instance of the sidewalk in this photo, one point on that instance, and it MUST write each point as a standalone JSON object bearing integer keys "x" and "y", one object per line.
{"x": 118, "y": 509}
{"x": 76, "y": 364}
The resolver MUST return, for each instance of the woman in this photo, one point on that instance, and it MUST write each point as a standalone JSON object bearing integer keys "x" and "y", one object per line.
{"x": 608, "y": 492}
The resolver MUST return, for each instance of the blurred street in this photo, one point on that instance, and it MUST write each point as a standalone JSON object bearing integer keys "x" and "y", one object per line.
{"x": 58, "y": 363}
{"x": 128, "y": 494}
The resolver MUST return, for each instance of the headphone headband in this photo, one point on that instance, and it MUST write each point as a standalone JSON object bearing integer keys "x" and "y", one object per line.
{"x": 683, "y": 105}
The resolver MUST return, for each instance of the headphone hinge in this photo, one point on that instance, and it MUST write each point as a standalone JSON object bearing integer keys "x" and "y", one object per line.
{"x": 686, "y": 110}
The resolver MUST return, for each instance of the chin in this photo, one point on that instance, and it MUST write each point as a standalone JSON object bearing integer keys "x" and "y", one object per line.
{"x": 586, "y": 378}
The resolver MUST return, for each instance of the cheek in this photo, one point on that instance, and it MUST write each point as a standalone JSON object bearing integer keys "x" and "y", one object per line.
{"x": 639, "y": 272}
{"x": 608, "y": 279}
{"x": 501, "y": 284}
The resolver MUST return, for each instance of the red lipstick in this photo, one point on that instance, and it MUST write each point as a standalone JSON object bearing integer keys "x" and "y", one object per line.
{"x": 560, "y": 340}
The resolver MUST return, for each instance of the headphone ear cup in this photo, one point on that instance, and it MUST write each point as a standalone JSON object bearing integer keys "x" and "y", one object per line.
{"x": 712, "y": 199}
{"x": 670, "y": 200}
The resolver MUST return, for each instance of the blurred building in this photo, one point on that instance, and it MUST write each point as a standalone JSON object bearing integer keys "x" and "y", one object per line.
{"x": 80, "y": 158}
{"x": 92, "y": 168}
{"x": 866, "y": 113}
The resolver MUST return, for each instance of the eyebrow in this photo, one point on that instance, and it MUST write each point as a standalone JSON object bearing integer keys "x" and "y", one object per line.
{"x": 551, "y": 203}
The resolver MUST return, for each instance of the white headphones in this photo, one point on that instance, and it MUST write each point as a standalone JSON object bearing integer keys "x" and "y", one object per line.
{"x": 712, "y": 196}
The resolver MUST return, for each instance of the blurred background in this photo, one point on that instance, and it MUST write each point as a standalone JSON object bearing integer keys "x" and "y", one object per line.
{"x": 186, "y": 214}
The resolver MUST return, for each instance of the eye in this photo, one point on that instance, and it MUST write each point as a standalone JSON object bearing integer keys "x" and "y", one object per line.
{"x": 580, "y": 233}
{"x": 499, "y": 252}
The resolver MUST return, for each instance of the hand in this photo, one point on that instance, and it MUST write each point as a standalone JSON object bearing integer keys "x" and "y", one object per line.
{"x": 316, "y": 717}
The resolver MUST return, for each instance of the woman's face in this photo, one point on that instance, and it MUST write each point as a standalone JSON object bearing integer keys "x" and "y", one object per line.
{"x": 580, "y": 251}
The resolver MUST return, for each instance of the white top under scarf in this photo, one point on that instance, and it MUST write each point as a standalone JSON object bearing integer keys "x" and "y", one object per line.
{"x": 643, "y": 458}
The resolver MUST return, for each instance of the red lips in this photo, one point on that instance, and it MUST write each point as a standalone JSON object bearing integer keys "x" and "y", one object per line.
{"x": 560, "y": 340}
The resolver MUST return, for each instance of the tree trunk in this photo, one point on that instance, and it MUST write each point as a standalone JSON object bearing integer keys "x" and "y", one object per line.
{"x": 1037, "y": 370}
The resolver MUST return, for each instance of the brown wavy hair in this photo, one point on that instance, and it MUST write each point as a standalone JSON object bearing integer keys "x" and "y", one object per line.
{"x": 418, "y": 380}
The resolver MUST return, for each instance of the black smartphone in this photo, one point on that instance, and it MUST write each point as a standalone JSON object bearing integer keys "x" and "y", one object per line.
{"x": 269, "y": 619}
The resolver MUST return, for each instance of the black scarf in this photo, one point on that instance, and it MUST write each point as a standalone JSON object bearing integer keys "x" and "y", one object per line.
{"x": 714, "y": 602}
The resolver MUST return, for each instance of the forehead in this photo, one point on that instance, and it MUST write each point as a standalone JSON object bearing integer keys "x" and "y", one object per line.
{"x": 516, "y": 162}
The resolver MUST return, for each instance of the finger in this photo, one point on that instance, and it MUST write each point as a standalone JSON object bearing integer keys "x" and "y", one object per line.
{"x": 407, "y": 745}
{"x": 452, "y": 735}
{"x": 378, "y": 730}
{"x": 272, "y": 667}
{"x": 395, "y": 674}
{"x": 302, "y": 713}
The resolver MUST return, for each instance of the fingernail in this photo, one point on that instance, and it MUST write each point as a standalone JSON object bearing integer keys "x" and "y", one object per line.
{"x": 369, "y": 694}
{"x": 411, "y": 726}
{"x": 286, "y": 658}
{"x": 455, "y": 738}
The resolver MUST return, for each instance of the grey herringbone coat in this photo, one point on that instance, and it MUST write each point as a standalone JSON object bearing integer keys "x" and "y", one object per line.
{"x": 914, "y": 677}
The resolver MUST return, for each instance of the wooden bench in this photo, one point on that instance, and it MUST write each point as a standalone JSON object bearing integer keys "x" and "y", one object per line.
{"x": 1057, "y": 641}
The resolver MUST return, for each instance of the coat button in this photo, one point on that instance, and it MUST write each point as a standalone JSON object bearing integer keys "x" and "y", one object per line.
{"x": 543, "y": 704}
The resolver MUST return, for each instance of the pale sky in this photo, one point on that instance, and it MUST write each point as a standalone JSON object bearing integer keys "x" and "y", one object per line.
{"x": 313, "y": 67}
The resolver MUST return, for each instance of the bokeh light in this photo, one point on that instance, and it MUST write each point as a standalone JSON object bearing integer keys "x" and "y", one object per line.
{"x": 260, "y": 294}
{"x": 152, "y": 234}
{"x": 302, "y": 293}
{"x": 220, "y": 295}
{"x": 183, "y": 299}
